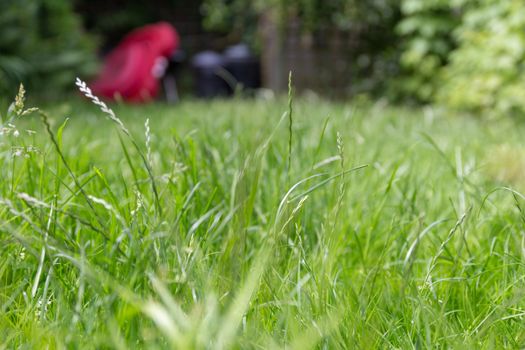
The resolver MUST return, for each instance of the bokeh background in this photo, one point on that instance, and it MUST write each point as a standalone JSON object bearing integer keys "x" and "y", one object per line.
{"x": 462, "y": 54}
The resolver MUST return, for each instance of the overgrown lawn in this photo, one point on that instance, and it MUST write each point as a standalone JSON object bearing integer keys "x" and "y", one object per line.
{"x": 381, "y": 227}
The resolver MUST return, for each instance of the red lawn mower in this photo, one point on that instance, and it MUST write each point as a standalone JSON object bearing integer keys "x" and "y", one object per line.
{"x": 133, "y": 70}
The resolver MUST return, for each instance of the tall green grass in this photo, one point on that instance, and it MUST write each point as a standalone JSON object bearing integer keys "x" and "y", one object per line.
{"x": 235, "y": 224}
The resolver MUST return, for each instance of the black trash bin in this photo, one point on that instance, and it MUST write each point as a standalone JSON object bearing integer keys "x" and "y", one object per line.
{"x": 208, "y": 67}
{"x": 243, "y": 66}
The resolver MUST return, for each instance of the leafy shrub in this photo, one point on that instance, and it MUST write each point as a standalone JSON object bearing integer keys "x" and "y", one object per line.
{"x": 42, "y": 45}
{"x": 465, "y": 54}
{"x": 487, "y": 70}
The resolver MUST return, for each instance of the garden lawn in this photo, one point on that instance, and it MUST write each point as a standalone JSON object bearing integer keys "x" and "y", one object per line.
{"x": 381, "y": 227}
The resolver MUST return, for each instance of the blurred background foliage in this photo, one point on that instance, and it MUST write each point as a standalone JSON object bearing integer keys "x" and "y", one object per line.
{"x": 464, "y": 54}
{"x": 43, "y": 45}
{"x": 358, "y": 34}
{"x": 349, "y": 15}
